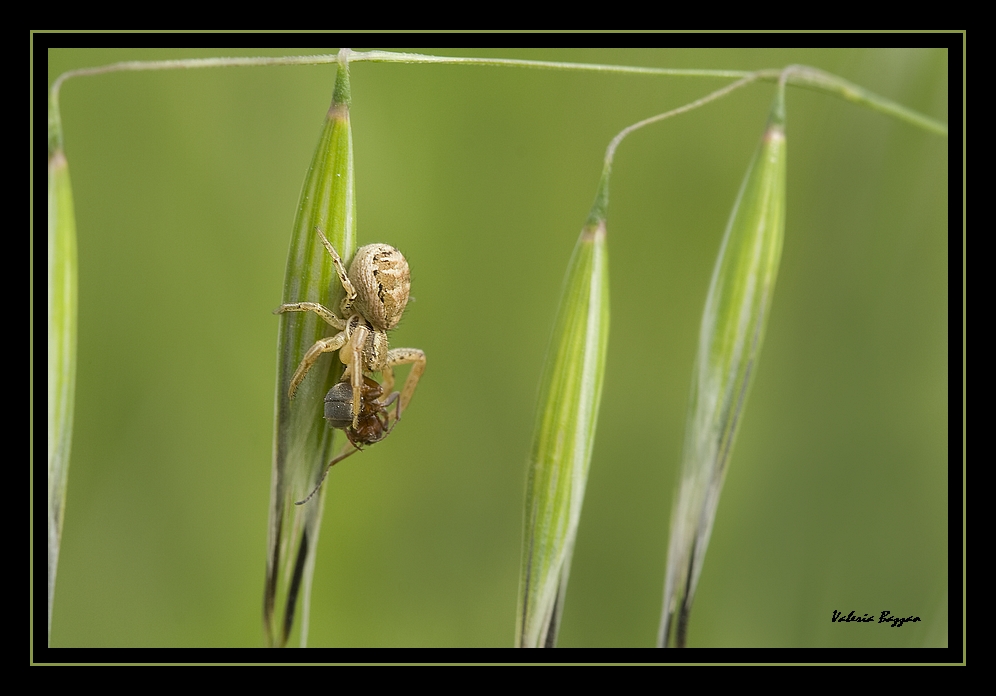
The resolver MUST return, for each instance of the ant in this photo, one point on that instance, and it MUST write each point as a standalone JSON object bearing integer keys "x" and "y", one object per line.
{"x": 372, "y": 423}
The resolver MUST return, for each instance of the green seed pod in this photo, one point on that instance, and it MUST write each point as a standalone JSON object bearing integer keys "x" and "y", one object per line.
{"x": 62, "y": 280}
{"x": 570, "y": 393}
{"x": 736, "y": 312}
{"x": 302, "y": 441}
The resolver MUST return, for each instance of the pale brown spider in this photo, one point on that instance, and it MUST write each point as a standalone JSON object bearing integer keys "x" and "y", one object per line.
{"x": 377, "y": 288}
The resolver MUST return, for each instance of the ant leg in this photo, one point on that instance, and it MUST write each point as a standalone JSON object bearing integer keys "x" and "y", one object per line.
{"x": 324, "y": 345}
{"x": 392, "y": 399}
{"x": 335, "y": 460}
{"x": 323, "y": 312}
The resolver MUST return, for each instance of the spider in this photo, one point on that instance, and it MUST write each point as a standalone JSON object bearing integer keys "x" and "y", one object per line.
{"x": 374, "y": 419}
{"x": 377, "y": 288}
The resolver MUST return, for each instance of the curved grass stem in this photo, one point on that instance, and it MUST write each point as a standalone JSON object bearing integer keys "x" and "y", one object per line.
{"x": 802, "y": 76}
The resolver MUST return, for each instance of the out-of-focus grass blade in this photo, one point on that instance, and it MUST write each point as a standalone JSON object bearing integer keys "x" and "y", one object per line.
{"x": 62, "y": 274}
{"x": 733, "y": 322}
{"x": 303, "y": 442}
{"x": 570, "y": 392}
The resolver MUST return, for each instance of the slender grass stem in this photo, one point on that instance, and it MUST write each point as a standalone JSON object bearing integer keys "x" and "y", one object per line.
{"x": 802, "y": 76}
{"x": 392, "y": 57}
{"x": 610, "y": 151}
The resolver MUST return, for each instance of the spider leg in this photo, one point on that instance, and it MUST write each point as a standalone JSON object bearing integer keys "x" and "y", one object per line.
{"x": 324, "y": 345}
{"x": 340, "y": 270}
{"x": 404, "y": 356}
{"x": 354, "y": 362}
{"x": 325, "y": 313}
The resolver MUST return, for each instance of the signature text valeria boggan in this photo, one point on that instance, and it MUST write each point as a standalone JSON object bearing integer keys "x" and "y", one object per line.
{"x": 884, "y": 617}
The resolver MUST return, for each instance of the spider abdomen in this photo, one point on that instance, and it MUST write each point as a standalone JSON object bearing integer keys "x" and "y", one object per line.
{"x": 380, "y": 274}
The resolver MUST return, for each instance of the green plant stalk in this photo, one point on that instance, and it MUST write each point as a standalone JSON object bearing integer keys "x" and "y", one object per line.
{"x": 570, "y": 393}
{"x": 736, "y": 312}
{"x": 62, "y": 306}
{"x": 303, "y": 442}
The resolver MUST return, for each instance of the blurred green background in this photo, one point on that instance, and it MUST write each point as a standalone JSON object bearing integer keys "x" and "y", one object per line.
{"x": 186, "y": 183}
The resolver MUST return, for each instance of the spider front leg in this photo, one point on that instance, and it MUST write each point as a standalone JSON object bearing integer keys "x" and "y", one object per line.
{"x": 340, "y": 270}
{"x": 324, "y": 345}
{"x": 352, "y": 357}
{"x": 322, "y": 311}
{"x": 403, "y": 356}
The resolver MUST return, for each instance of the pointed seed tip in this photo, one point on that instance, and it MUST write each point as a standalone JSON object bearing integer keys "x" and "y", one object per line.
{"x": 776, "y": 131}
{"x": 339, "y": 112}
{"x": 594, "y": 232}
